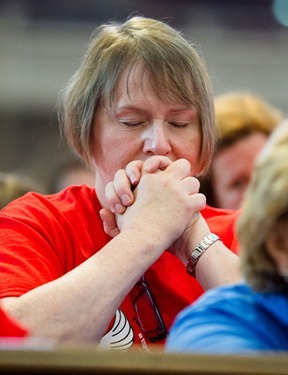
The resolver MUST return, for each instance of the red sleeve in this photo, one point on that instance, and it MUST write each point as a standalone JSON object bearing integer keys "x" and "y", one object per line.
{"x": 44, "y": 237}
{"x": 30, "y": 238}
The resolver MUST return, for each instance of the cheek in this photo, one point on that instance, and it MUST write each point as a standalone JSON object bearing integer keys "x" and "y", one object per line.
{"x": 218, "y": 183}
{"x": 225, "y": 195}
{"x": 111, "y": 153}
{"x": 225, "y": 198}
{"x": 191, "y": 152}
{"x": 108, "y": 160}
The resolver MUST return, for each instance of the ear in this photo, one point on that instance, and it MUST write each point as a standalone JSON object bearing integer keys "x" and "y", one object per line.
{"x": 277, "y": 246}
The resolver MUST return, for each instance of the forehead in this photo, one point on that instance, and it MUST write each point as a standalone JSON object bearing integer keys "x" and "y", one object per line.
{"x": 139, "y": 81}
{"x": 134, "y": 82}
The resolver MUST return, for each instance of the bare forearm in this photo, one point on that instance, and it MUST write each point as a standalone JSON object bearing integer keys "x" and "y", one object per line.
{"x": 79, "y": 306}
{"x": 217, "y": 265}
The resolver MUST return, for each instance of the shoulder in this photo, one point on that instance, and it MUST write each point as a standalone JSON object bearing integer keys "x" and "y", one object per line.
{"x": 71, "y": 198}
{"x": 224, "y": 298}
{"x": 210, "y": 323}
{"x": 221, "y": 216}
{"x": 75, "y": 207}
{"x": 223, "y": 223}
{"x": 216, "y": 301}
{"x": 210, "y": 212}
{"x": 227, "y": 320}
{"x": 75, "y": 197}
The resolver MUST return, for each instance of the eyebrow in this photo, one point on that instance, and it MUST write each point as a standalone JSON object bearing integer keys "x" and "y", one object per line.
{"x": 129, "y": 108}
{"x": 143, "y": 111}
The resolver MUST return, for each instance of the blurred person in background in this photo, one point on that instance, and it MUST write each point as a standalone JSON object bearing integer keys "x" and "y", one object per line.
{"x": 14, "y": 185}
{"x": 72, "y": 172}
{"x": 249, "y": 316}
{"x": 244, "y": 122}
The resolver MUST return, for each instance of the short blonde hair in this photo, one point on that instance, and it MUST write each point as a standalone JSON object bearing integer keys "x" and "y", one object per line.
{"x": 175, "y": 69}
{"x": 238, "y": 114}
{"x": 265, "y": 210}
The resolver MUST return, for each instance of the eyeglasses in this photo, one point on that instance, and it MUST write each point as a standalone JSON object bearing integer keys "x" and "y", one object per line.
{"x": 148, "y": 314}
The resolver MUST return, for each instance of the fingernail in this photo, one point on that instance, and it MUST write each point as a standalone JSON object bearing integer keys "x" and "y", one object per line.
{"x": 125, "y": 199}
{"x": 119, "y": 208}
{"x": 133, "y": 178}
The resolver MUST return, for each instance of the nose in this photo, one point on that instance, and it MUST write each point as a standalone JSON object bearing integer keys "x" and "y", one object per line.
{"x": 156, "y": 141}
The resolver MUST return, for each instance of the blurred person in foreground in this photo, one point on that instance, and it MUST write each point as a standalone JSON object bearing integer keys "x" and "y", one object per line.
{"x": 253, "y": 315}
{"x": 245, "y": 122}
{"x": 141, "y": 98}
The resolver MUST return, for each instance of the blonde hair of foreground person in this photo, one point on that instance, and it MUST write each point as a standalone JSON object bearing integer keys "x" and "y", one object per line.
{"x": 263, "y": 224}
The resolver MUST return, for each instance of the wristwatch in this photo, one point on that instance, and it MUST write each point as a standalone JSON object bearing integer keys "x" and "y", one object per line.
{"x": 198, "y": 251}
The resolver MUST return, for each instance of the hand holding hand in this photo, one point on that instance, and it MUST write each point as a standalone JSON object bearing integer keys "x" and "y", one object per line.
{"x": 165, "y": 200}
{"x": 119, "y": 192}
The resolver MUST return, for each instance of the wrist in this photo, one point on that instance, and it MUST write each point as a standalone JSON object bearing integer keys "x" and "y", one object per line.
{"x": 196, "y": 233}
{"x": 198, "y": 251}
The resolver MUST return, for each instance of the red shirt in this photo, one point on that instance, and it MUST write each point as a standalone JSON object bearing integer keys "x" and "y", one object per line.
{"x": 10, "y": 328}
{"x": 44, "y": 237}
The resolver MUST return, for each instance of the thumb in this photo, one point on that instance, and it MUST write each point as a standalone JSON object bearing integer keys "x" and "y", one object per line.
{"x": 109, "y": 222}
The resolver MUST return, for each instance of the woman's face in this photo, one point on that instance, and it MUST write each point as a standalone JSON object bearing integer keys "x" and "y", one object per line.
{"x": 232, "y": 168}
{"x": 141, "y": 125}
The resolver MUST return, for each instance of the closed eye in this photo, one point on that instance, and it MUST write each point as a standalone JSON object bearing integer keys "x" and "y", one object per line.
{"x": 179, "y": 124}
{"x": 131, "y": 123}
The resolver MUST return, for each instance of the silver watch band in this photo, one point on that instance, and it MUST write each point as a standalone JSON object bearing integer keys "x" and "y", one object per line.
{"x": 203, "y": 245}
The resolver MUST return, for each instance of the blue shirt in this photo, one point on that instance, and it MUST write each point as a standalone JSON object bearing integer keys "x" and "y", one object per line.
{"x": 232, "y": 319}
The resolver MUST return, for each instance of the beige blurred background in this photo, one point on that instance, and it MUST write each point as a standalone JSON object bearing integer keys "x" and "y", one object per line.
{"x": 41, "y": 42}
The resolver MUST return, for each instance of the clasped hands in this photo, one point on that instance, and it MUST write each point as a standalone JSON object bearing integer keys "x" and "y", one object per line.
{"x": 159, "y": 198}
